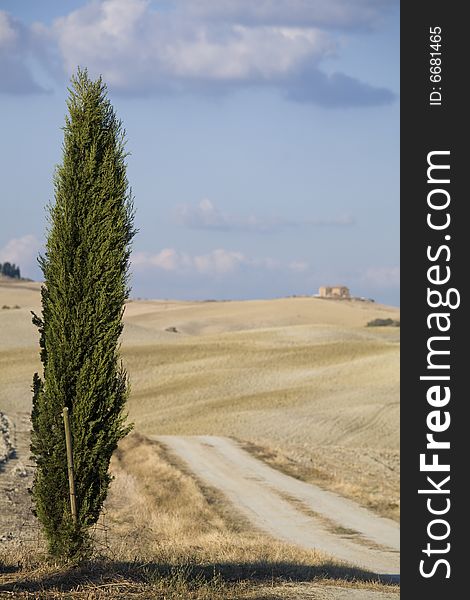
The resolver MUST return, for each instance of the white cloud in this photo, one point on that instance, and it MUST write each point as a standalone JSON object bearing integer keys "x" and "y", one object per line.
{"x": 169, "y": 259}
{"x": 141, "y": 47}
{"x": 202, "y": 46}
{"x": 131, "y": 45}
{"x": 382, "y": 276}
{"x": 205, "y": 215}
{"x": 218, "y": 261}
{"x": 245, "y": 53}
{"x": 22, "y": 251}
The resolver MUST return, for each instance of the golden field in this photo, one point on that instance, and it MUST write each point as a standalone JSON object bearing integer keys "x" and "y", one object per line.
{"x": 301, "y": 382}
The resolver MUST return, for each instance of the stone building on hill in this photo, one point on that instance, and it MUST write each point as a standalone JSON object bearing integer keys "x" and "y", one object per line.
{"x": 340, "y": 292}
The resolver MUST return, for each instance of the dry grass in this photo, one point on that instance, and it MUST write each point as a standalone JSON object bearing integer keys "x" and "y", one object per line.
{"x": 168, "y": 538}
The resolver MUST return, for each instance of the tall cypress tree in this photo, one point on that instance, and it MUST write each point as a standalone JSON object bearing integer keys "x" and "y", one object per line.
{"x": 85, "y": 269}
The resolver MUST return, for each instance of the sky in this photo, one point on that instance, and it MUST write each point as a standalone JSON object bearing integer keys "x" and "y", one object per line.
{"x": 263, "y": 138}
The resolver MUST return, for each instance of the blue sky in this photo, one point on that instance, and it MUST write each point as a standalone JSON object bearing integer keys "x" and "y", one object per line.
{"x": 264, "y": 138}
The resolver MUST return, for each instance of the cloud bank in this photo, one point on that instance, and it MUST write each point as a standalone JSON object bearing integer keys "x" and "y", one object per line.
{"x": 202, "y": 46}
{"x": 216, "y": 262}
{"x": 206, "y": 216}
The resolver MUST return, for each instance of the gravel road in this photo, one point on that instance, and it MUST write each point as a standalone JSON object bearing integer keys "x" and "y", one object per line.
{"x": 289, "y": 509}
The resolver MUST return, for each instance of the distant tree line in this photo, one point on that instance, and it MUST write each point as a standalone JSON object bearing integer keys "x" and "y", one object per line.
{"x": 10, "y": 270}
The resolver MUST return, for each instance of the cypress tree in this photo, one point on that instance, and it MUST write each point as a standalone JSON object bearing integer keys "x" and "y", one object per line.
{"x": 85, "y": 268}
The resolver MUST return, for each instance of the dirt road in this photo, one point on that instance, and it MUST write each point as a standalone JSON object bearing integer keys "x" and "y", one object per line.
{"x": 289, "y": 509}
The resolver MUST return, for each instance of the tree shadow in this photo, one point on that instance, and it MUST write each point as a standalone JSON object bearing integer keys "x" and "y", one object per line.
{"x": 106, "y": 572}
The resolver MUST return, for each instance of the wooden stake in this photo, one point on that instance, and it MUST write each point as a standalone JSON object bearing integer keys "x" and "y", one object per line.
{"x": 68, "y": 443}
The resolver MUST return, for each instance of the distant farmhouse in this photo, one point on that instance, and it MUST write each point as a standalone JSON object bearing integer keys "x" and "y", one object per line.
{"x": 338, "y": 292}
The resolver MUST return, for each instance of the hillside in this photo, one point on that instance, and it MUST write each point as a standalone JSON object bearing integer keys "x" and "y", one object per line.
{"x": 302, "y": 382}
